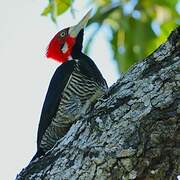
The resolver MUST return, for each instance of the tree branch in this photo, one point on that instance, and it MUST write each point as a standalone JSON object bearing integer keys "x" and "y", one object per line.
{"x": 133, "y": 132}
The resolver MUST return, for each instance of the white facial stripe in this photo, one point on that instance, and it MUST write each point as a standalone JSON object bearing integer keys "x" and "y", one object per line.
{"x": 65, "y": 48}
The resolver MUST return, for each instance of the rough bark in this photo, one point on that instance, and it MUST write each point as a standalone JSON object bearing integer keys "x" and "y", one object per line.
{"x": 133, "y": 132}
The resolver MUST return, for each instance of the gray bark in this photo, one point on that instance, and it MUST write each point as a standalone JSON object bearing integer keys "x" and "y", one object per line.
{"x": 133, "y": 132}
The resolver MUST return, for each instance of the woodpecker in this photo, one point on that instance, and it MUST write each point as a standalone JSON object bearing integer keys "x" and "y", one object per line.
{"x": 74, "y": 87}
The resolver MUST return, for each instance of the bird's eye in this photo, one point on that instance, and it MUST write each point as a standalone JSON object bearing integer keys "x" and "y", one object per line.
{"x": 62, "y": 34}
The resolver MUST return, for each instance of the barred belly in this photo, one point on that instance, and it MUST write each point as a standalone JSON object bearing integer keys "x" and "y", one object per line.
{"x": 78, "y": 91}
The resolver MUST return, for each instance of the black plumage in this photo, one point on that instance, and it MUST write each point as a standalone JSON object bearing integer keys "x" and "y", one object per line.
{"x": 80, "y": 71}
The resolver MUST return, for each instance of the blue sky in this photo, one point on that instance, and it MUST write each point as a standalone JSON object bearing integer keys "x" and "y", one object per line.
{"x": 25, "y": 74}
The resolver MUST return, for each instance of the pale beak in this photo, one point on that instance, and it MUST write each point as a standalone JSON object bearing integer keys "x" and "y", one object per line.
{"x": 74, "y": 30}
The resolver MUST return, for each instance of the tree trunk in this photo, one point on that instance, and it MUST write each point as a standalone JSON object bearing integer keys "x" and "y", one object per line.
{"x": 133, "y": 132}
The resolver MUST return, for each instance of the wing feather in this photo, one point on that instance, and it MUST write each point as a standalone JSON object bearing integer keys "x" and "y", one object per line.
{"x": 53, "y": 97}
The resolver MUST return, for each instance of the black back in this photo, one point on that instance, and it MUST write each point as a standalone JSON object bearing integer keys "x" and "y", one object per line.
{"x": 89, "y": 69}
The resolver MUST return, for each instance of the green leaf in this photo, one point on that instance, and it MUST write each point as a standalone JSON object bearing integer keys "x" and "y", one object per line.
{"x": 62, "y": 6}
{"x": 56, "y": 8}
{"x": 46, "y": 11}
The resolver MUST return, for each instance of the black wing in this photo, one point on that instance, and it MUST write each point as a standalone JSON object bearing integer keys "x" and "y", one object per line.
{"x": 53, "y": 97}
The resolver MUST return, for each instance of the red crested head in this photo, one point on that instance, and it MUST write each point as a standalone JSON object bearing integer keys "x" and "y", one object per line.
{"x": 61, "y": 46}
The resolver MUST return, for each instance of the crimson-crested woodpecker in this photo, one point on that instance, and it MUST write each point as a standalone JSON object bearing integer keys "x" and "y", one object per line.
{"x": 75, "y": 85}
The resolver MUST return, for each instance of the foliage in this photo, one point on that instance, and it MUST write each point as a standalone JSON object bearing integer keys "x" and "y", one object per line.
{"x": 56, "y": 8}
{"x": 137, "y": 26}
